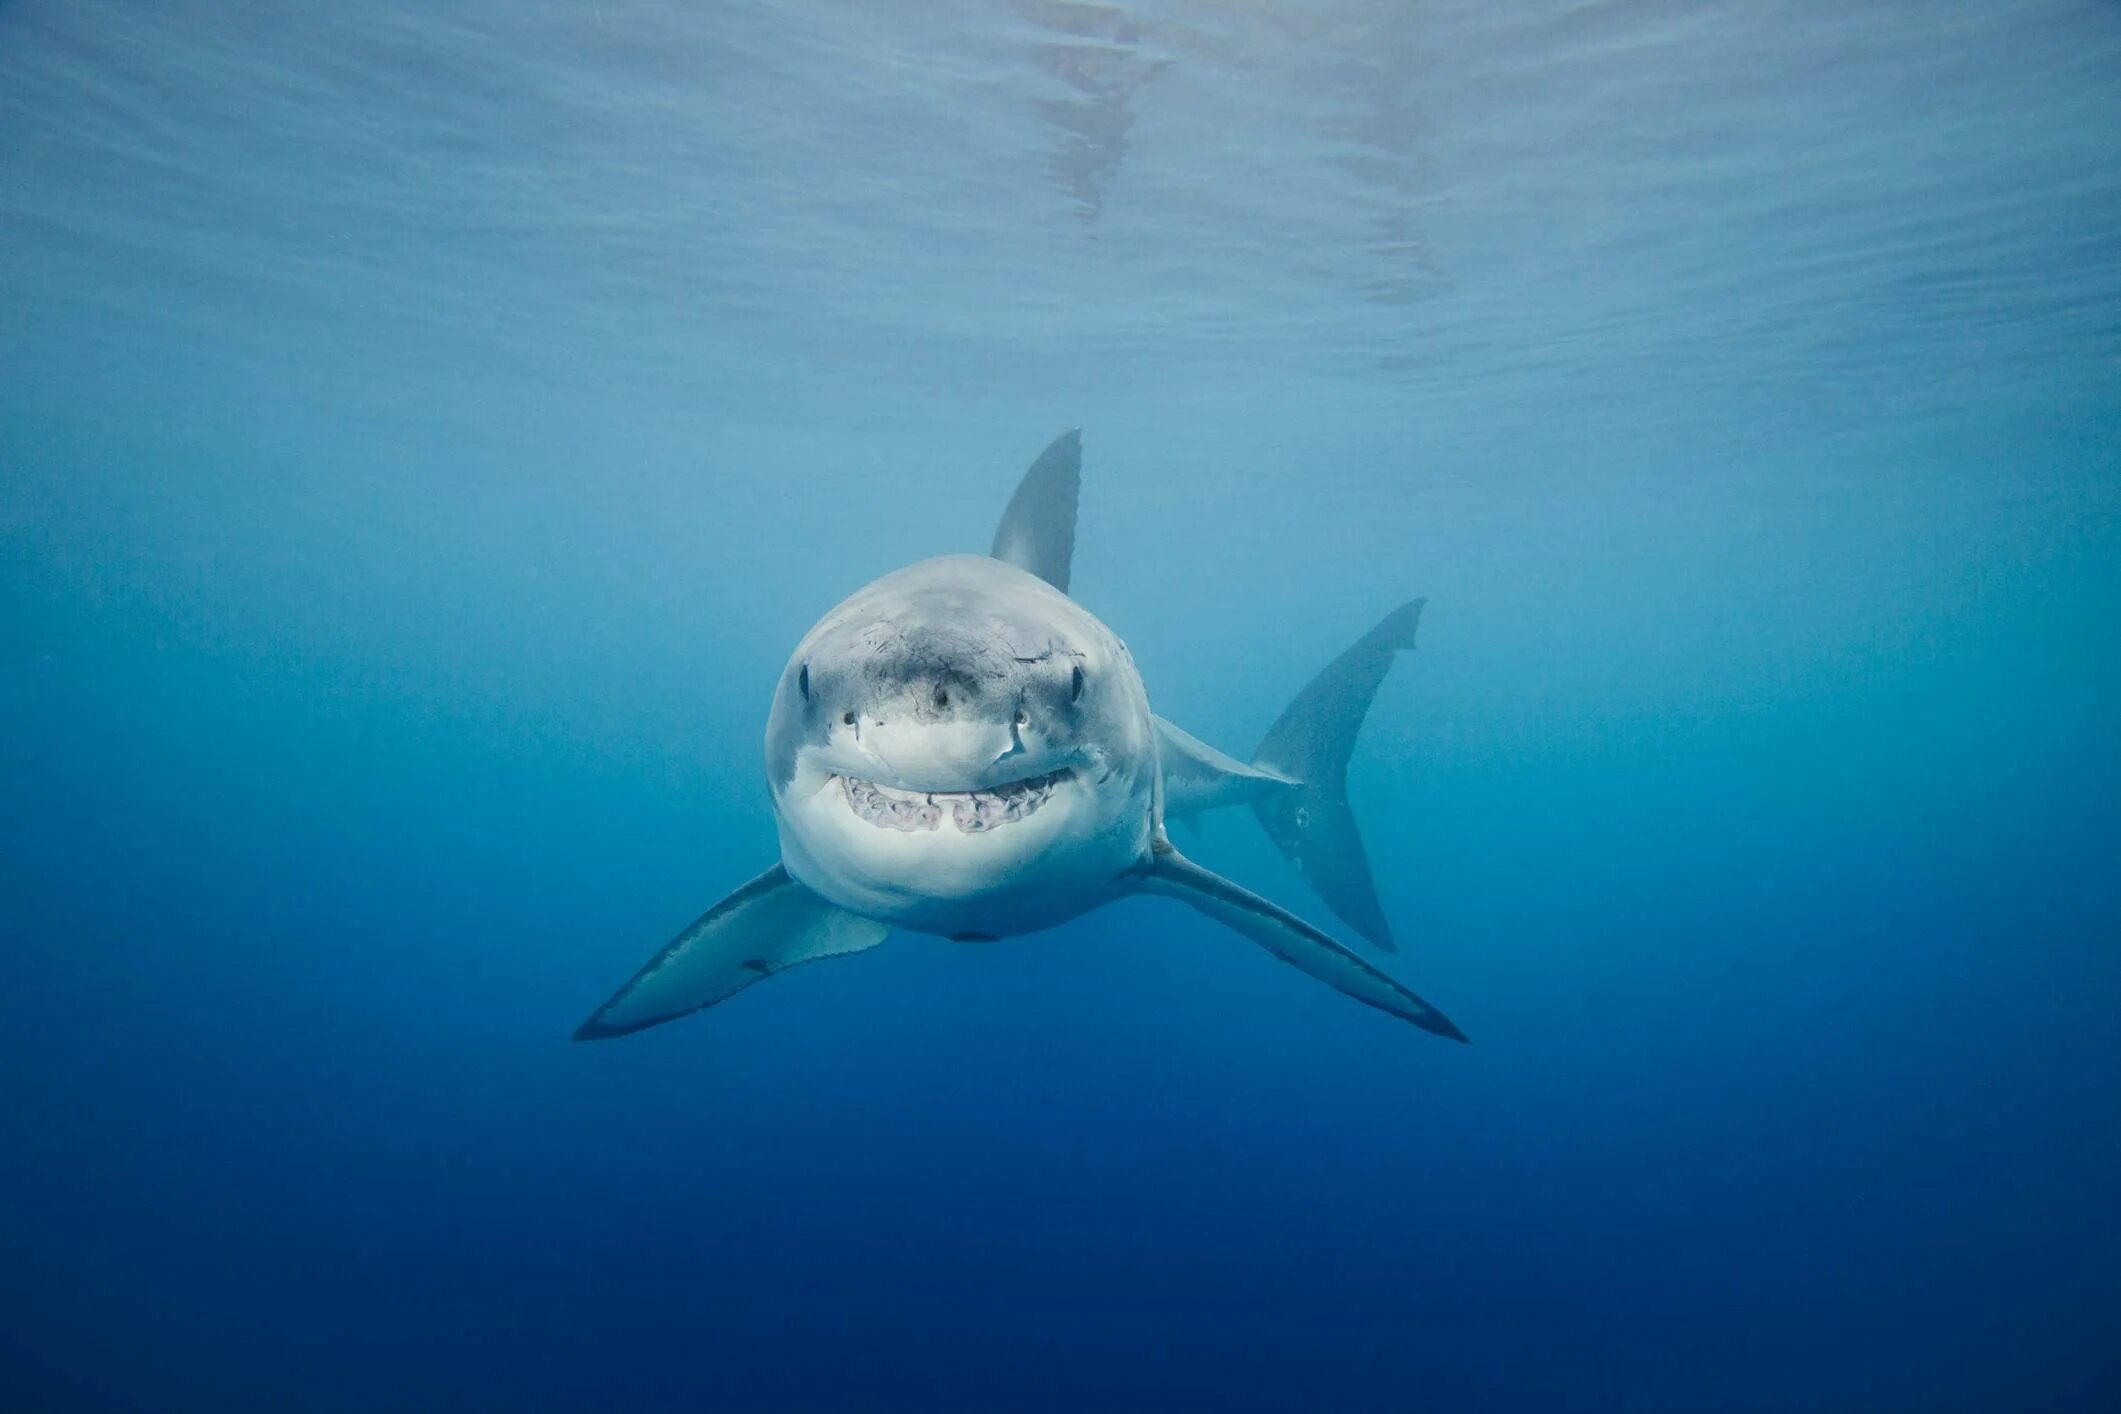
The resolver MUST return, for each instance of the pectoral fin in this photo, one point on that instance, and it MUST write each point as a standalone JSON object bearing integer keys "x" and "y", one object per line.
{"x": 1288, "y": 938}
{"x": 767, "y": 926}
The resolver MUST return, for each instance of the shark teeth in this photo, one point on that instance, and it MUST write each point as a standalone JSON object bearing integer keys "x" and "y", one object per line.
{"x": 972, "y": 812}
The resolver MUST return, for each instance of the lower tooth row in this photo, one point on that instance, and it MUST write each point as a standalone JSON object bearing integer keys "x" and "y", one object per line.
{"x": 891, "y": 812}
{"x": 972, "y": 813}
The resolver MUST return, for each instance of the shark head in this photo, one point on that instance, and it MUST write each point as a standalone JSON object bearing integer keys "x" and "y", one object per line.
{"x": 961, "y": 748}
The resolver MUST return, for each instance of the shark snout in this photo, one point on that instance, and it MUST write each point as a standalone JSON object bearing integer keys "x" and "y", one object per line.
{"x": 950, "y": 754}
{"x": 944, "y": 695}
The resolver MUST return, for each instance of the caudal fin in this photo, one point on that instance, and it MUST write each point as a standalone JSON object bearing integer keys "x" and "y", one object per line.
{"x": 1311, "y": 743}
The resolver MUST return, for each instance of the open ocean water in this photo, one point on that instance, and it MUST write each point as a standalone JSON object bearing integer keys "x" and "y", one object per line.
{"x": 425, "y": 429}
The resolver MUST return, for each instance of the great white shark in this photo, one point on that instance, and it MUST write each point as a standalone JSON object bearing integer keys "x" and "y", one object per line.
{"x": 961, "y": 749}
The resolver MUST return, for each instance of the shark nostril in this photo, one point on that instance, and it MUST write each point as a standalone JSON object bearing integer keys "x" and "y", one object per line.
{"x": 942, "y": 696}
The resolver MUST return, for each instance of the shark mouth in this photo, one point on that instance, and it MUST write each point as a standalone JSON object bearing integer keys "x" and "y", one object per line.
{"x": 973, "y": 812}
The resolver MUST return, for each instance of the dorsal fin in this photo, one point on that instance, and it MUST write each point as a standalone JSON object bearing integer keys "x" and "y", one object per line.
{"x": 1037, "y": 532}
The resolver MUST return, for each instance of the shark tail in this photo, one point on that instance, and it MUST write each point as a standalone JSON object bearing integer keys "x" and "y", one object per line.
{"x": 1310, "y": 743}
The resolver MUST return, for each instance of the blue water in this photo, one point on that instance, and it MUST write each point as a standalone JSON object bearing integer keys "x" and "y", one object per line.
{"x": 425, "y": 430}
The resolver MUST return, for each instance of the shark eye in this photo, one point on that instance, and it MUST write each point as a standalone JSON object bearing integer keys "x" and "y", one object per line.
{"x": 1023, "y": 718}
{"x": 802, "y": 682}
{"x": 847, "y": 717}
{"x": 1075, "y": 684}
